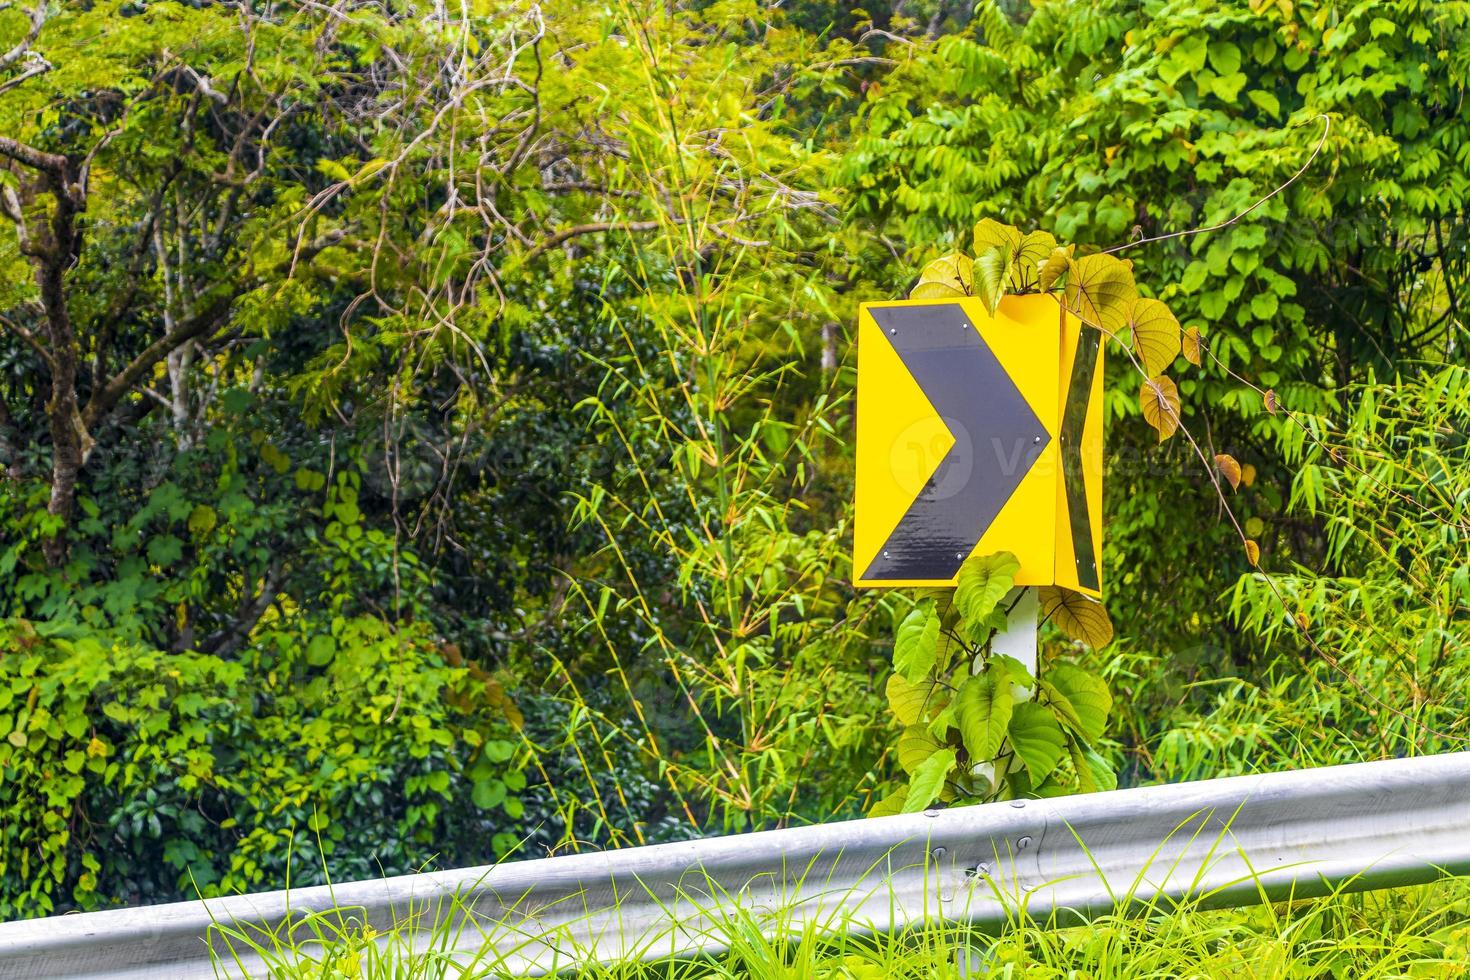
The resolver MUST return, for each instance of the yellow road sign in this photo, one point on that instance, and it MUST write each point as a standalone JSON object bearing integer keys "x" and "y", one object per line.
{"x": 976, "y": 434}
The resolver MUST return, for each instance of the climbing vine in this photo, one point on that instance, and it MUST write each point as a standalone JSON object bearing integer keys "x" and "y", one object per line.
{"x": 977, "y": 725}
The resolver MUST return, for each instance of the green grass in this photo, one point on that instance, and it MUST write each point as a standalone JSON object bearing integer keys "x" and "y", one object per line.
{"x": 1418, "y": 932}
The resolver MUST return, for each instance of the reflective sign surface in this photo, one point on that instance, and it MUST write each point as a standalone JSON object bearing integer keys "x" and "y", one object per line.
{"x": 965, "y": 444}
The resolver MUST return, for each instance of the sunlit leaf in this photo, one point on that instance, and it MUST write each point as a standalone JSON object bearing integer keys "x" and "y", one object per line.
{"x": 990, "y": 275}
{"x": 1080, "y": 699}
{"x": 912, "y": 703}
{"x": 914, "y": 746}
{"x": 1026, "y": 266}
{"x": 891, "y": 805}
{"x": 1160, "y": 402}
{"x": 1191, "y": 346}
{"x": 990, "y": 233}
{"x": 1100, "y": 291}
{"x": 1228, "y": 468}
{"x": 1037, "y": 738}
{"x": 1155, "y": 334}
{"x": 1252, "y": 552}
{"x": 983, "y": 582}
{"x": 935, "y": 290}
{"x": 983, "y": 707}
{"x": 1053, "y": 271}
{"x": 927, "y": 781}
{"x": 953, "y": 270}
{"x": 1080, "y": 617}
{"x": 916, "y": 643}
{"x": 1094, "y": 775}
{"x": 1270, "y": 399}
{"x": 1248, "y": 474}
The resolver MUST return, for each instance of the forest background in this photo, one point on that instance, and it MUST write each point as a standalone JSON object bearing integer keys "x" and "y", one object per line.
{"x": 426, "y": 429}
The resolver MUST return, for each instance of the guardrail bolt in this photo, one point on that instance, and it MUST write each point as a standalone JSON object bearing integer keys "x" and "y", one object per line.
{"x": 1023, "y": 843}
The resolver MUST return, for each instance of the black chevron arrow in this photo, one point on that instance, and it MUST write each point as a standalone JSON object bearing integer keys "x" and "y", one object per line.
{"x": 997, "y": 438}
{"x": 1074, "y": 418}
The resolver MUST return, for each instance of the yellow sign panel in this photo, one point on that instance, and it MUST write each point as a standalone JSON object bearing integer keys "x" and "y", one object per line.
{"x": 971, "y": 439}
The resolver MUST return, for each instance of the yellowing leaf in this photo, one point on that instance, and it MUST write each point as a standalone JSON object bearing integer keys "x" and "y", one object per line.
{"x": 990, "y": 233}
{"x": 1248, "y": 474}
{"x": 913, "y": 703}
{"x": 1155, "y": 334}
{"x": 935, "y": 290}
{"x": 1035, "y": 249}
{"x": 954, "y": 270}
{"x": 1228, "y": 468}
{"x": 1302, "y": 621}
{"x": 990, "y": 275}
{"x": 1253, "y": 552}
{"x": 914, "y": 746}
{"x": 1100, "y": 291}
{"x": 1160, "y": 401}
{"x": 1082, "y": 618}
{"x": 1271, "y": 400}
{"x": 1191, "y": 346}
{"x": 891, "y": 805}
{"x": 1054, "y": 268}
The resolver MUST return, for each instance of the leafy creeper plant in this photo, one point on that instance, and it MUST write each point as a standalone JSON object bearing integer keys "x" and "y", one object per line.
{"x": 1097, "y": 288}
{"x": 977, "y": 725}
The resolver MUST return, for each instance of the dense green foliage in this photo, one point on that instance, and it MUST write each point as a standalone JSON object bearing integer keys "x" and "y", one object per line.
{"x": 429, "y": 429}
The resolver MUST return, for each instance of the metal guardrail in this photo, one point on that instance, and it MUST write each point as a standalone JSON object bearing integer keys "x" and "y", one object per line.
{"x": 1225, "y": 842}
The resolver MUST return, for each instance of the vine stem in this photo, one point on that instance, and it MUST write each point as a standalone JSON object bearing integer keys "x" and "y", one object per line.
{"x": 1326, "y": 129}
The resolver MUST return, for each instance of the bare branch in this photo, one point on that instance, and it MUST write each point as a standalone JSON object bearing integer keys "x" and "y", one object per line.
{"x": 38, "y": 17}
